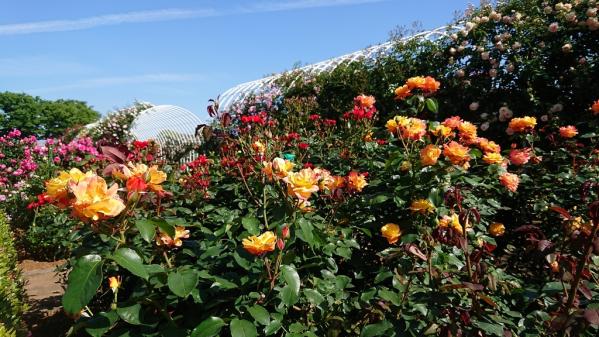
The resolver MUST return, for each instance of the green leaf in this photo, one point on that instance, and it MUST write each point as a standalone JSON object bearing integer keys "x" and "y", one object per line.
{"x": 146, "y": 228}
{"x": 130, "y": 314}
{"x": 209, "y": 327}
{"x": 390, "y": 296}
{"x": 182, "y": 282}
{"x": 379, "y": 199}
{"x": 378, "y": 329}
{"x": 432, "y": 105}
{"x": 305, "y": 232}
{"x": 251, "y": 224}
{"x": 288, "y": 296}
{"x": 260, "y": 314}
{"x": 242, "y": 328}
{"x": 495, "y": 329}
{"x": 101, "y": 323}
{"x": 314, "y": 296}
{"x": 130, "y": 260}
{"x": 273, "y": 327}
{"x": 84, "y": 281}
{"x": 291, "y": 278}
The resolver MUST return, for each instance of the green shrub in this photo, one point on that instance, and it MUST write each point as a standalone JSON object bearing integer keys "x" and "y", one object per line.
{"x": 12, "y": 304}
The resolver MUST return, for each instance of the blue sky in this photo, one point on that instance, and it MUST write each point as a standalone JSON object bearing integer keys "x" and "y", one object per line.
{"x": 183, "y": 52}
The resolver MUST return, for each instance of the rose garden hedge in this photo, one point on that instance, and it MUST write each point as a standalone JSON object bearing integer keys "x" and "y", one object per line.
{"x": 448, "y": 188}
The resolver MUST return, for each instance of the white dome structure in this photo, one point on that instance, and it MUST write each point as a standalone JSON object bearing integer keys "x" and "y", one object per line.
{"x": 241, "y": 91}
{"x": 157, "y": 121}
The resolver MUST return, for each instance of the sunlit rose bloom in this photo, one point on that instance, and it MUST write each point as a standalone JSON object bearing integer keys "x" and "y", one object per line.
{"x": 136, "y": 184}
{"x": 497, "y": 229}
{"x": 392, "y": 126}
{"x": 57, "y": 188}
{"x": 94, "y": 200}
{"x": 456, "y": 153}
{"x": 258, "y": 245}
{"x": 258, "y": 147}
{"x": 430, "y": 85}
{"x": 281, "y": 167}
{"x": 391, "y": 232}
{"x": 114, "y": 283}
{"x": 366, "y": 101}
{"x": 452, "y": 221}
{"x": 492, "y": 158}
{"x": 356, "y": 181}
{"x": 452, "y": 122}
{"x": 467, "y": 131}
{"x": 429, "y": 155}
{"x": 510, "y": 181}
{"x": 522, "y": 124}
{"x": 422, "y": 206}
{"x": 415, "y": 82}
{"x": 441, "y": 131}
{"x": 325, "y": 179}
{"x": 520, "y": 157}
{"x": 123, "y": 172}
{"x": 155, "y": 178}
{"x": 165, "y": 240}
{"x": 402, "y": 92}
{"x": 302, "y": 184}
{"x": 488, "y": 145}
{"x": 337, "y": 183}
{"x": 414, "y": 130}
{"x": 568, "y": 131}
{"x": 595, "y": 107}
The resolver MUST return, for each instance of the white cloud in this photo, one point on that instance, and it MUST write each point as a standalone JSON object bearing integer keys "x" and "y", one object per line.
{"x": 167, "y": 15}
{"x": 101, "y": 82}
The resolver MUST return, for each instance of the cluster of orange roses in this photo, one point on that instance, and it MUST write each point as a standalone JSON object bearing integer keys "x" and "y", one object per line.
{"x": 303, "y": 183}
{"x": 427, "y": 85}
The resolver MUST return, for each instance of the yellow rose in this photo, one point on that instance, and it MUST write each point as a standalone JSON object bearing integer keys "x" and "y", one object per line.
{"x": 281, "y": 167}
{"x": 422, "y": 206}
{"x": 155, "y": 178}
{"x": 492, "y": 158}
{"x": 258, "y": 245}
{"x": 165, "y": 240}
{"x": 114, "y": 283}
{"x": 391, "y": 232}
{"x": 497, "y": 229}
{"x": 302, "y": 184}
{"x": 57, "y": 188}
{"x": 93, "y": 199}
{"x": 452, "y": 221}
{"x": 356, "y": 181}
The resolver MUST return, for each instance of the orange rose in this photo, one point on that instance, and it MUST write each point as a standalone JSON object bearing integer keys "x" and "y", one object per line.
{"x": 356, "y": 181}
{"x": 452, "y": 122}
{"x": 414, "y": 130}
{"x": 402, "y": 92}
{"x": 429, "y": 155}
{"x": 595, "y": 107}
{"x": 366, "y": 101}
{"x": 94, "y": 200}
{"x": 488, "y": 145}
{"x": 520, "y": 157}
{"x": 114, "y": 282}
{"x": 467, "y": 131}
{"x": 391, "y": 232}
{"x": 416, "y": 82}
{"x": 430, "y": 85}
{"x": 456, "y": 153}
{"x": 510, "y": 181}
{"x": 441, "y": 131}
{"x": 422, "y": 206}
{"x": 522, "y": 124}
{"x": 452, "y": 221}
{"x": 258, "y": 245}
{"x": 568, "y": 131}
{"x": 497, "y": 229}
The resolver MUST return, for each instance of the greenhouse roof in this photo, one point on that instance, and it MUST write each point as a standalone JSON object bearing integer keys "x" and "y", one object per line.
{"x": 239, "y": 92}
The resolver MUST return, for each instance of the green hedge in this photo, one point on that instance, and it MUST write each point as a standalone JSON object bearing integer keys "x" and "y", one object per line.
{"x": 12, "y": 305}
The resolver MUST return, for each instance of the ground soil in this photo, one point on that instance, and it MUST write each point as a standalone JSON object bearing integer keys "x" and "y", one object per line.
{"x": 44, "y": 288}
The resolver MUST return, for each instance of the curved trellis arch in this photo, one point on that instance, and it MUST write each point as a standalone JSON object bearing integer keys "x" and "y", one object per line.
{"x": 241, "y": 91}
{"x": 172, "y": 127}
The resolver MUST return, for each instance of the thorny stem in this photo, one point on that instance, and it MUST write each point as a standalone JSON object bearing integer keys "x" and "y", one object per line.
{"x": 246, "y": 186}
{"x": 579, "y": 269}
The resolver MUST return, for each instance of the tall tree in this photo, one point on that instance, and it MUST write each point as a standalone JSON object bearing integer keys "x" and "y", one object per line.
{"x": 42, "y": 118}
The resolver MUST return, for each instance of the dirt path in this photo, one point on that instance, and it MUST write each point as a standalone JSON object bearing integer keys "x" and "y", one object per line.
{"x": 45, "y": 317}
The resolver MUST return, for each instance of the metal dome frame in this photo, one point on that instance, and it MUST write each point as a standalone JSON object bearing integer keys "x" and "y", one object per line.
{"x": 241, "y": 91}
{"x": 164, "y": 123}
